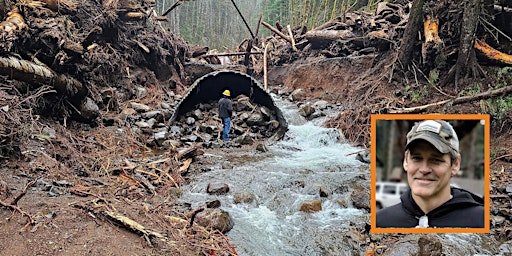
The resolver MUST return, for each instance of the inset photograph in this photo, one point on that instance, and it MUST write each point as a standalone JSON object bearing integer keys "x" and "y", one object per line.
{"x": 430, "y": 173}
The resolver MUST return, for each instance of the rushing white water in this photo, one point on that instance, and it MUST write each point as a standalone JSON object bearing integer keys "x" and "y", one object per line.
{"x": 292, "y": 172}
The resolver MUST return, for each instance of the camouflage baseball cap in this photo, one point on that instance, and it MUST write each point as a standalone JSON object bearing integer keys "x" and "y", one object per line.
{"x": 439, "y": 133}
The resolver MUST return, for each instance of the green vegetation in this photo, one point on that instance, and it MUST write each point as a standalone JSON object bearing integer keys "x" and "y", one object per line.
{"x": 217, "y": 24}
{"x": 499, "y": 106}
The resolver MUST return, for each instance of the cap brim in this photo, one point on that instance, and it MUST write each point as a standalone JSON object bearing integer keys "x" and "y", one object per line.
{"x": 441, "y": 147}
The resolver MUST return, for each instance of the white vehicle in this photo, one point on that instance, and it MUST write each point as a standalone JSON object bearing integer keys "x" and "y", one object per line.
{"x": 388, "y": 193}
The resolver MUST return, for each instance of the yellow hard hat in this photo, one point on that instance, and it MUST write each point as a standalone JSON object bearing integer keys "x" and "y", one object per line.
{"x": 227, "y": 93}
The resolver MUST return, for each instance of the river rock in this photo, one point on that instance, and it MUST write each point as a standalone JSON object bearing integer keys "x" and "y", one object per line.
{"x": 255, "y": 119}
{"x": 321, "y": 104}
{"x": 243, "y": 197}
{"x": 128, "y": 112}
{"x": 190, "y": 120}
{"x": 213, "y": 204}
{"x": 306, "y": 111}
{"x": 151, "y": 114}
{"x": 261, "y": 147}
{"x": 140, "y": 107}
{"x": 198, "y": 114}
{"x": 215, "y": 218}
{"x": 360, "y": 197}
{"x": 217, "y": 189}
{"x": 141, "y": 92}
{"x": 297, "y": 95}
{"x": 164, "y": 105}
{"x": 142, "y": 124}
{"x": 89, "y": 109}
{"x": 324, "y": 192}
{"x": 311, "y": 206}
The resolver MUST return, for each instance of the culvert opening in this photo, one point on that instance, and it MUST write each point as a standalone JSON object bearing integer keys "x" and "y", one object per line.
{"x": 255, "y": 116}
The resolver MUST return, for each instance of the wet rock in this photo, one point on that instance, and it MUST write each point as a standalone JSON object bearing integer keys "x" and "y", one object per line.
{"x": 506, "y": 248}
{"x": 321, "y": 104}
{"x": 360, "y": 198}
{"x": 255, "y": 119}
{"x": 190, "y": 120}
{"x": 215, "y": 219}
{"x": 343, "y": 202}
{"x": 261, "y": 147}
{"x": 306, "y": 111}
{"x": 140, "y": 107}
{"x": 244, "y": 197}
{"x": 244, "y": 140}
{"x": 217, "y": 189}
{"x": 305, "y": 171}
{"x": 311, "y": 206}
{"x": 364, "y": 156}
{"x": 198, "y": 114}
{"x": 497, "y": 220}
{"x": 213, "y": 204}
{"x": 297, "y": 95}
{"x": 324, "y": 192}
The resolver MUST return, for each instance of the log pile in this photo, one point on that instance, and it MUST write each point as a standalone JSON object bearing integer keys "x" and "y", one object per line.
{"x": 354, "y": 34}
{"x": 68, "y": 59}
{"x": 82, "y": 49}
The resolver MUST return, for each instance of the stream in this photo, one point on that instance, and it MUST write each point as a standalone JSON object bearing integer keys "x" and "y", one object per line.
{"x": 290, "y": 173}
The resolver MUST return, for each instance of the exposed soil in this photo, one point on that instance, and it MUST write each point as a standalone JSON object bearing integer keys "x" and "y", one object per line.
{"x": 60, "y": 178}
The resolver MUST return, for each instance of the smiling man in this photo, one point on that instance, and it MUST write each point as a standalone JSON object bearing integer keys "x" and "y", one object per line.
{"x": 431, "y": 158}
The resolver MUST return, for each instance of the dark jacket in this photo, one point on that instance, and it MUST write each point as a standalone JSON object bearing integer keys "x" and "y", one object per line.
{"x": 464, "y": 210}
{"x": 225, "y": 108}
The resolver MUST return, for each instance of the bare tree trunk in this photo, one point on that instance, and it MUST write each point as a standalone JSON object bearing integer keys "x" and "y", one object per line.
{"x": 410, "y": 38}
{"x": 466, "y": 62}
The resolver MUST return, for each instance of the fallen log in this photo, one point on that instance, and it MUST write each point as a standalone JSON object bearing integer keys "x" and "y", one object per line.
{"x": 32, "y": 73}
{"x": 319, "y": 38}
{"x": 455, "y": 101}
{"x": 227, "y": 54}
{"x": 492, "y": 53}
{"x": 133, "y": 225}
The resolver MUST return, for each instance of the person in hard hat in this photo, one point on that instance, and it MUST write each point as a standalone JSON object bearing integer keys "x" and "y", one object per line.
{"x": 225, "y": 112}
{"x": 431, "y": 158}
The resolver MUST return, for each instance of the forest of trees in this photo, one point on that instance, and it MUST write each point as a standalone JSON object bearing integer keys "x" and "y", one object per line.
{"x": 217, "y": 24}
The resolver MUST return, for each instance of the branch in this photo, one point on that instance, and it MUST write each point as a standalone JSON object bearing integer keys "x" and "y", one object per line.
{"x": 460, "y": 100}
{"x": 243, "y": 19}
{"x": 276, "y": 31}
{"x": 180, "y": 2}
{"x": 502, "y": 8}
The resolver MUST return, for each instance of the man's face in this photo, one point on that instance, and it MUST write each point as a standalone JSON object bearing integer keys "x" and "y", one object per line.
{"x": 429, "y": 171}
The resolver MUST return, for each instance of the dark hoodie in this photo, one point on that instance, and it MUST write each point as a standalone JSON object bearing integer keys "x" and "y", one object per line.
{"x": 464, "y": 210}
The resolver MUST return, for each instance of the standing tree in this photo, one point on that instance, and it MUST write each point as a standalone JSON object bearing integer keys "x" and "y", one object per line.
{"x": 410, "y": 38}
{"x": 466, "y": 62}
